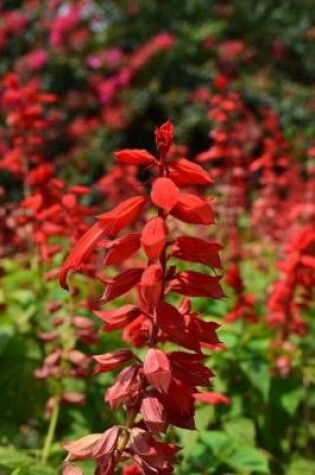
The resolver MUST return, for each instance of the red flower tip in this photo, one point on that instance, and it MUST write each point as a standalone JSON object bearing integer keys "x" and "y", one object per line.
{"x": 164, "y": 137}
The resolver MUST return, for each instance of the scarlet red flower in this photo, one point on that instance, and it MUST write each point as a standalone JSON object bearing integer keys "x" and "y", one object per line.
{"x": 197, "y": 284}
{"x": 122, "y": 248}
{"x": 81, "y": 250}
{"x": 110, "y": 223}
{"x": 135, "y": 157}
{"x": 183, "y": 173}
{"x": 195, "y": 249}
{"x": 120, "y": 284}
{"x": 123, "y": 215}
{"x": 118, "y": 318}
{"x": 193, "y": 209}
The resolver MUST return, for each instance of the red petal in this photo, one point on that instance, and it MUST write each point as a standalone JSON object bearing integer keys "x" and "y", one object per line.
{"x": 184, "y": 173}
{"x": 151, "y": 284}
{"x": 112, "y": 360}
{"x": 197, "y": 284}
{"x": 81, "y": 449}
{"x": 154, "y": 237}
{"x": 81, "y": 250}
{"x": 193, "y": 209}
{"x": 197, "y": 250}
{"x": 125, "y": 386}
{"x": 153, "y": 414}
{"x": 122, "y": 248}
{"x": 135, "y": 157}
{"x": 120, "y": 284}
{"x": 107, "y": 443}
{"x": 157, "y": 369}
{"x": 212, "y": 398}
{"x": 118, "y": 318}
{"x": 189, "y": 368}
{"x": 174, "y": 326}
{"x": 164, "y": 193}
{"x": 69, "y": 469}
{"x": 123, "y": 215}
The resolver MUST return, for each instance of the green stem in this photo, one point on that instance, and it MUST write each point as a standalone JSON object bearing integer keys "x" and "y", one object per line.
{"x": 51, "y": 431}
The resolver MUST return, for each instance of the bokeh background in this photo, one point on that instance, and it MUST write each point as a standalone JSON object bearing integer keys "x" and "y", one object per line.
{"x": 81, "y": 79}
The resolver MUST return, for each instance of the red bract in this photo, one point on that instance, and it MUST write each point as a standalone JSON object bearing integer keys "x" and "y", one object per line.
{"x": 122, "y": 248}
{"x": 157, "y": 369}
{"x": 183, "y": 173}
{"x": 194, "y": 249}
{"x": 153, "y": 237}
{"x": 160, "y": 388}
{"x": 111, "y": 360}
{"x": 165, "y": 193}
{"x": 197, "y": 284}
{"x": 193, "y": 209}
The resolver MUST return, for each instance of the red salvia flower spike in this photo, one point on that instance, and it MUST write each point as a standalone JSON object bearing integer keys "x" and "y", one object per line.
{"x": 161, "y": 389}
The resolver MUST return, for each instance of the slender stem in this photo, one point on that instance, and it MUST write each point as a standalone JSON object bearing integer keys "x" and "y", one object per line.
{"x": 51, "y": 431}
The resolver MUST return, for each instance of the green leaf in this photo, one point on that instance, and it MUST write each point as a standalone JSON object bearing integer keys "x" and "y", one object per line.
{"x": 257, "y": 371}
{"x": 241, "y": 429}
{"x": 247, "y": 460}
{"x": 13, "y": 459}
{"x": 302, "y": 467}
{"x": 220, "y": 444}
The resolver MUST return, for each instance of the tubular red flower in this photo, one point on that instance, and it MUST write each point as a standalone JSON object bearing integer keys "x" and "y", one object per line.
{"x": 183, "y": 173}
{"x": 193, "y": 209}
{"x": 135, "y": 157}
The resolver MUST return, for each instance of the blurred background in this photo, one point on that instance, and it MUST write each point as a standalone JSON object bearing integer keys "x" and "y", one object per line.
{"x": 81, "y": 79}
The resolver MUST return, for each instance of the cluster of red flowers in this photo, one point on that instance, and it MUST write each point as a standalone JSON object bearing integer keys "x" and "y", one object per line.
{"x": 293, "y": 292}
{"x": 53, "y": 210}
{"x": 28, "y": 125}
{"x": 160, "y": 387}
